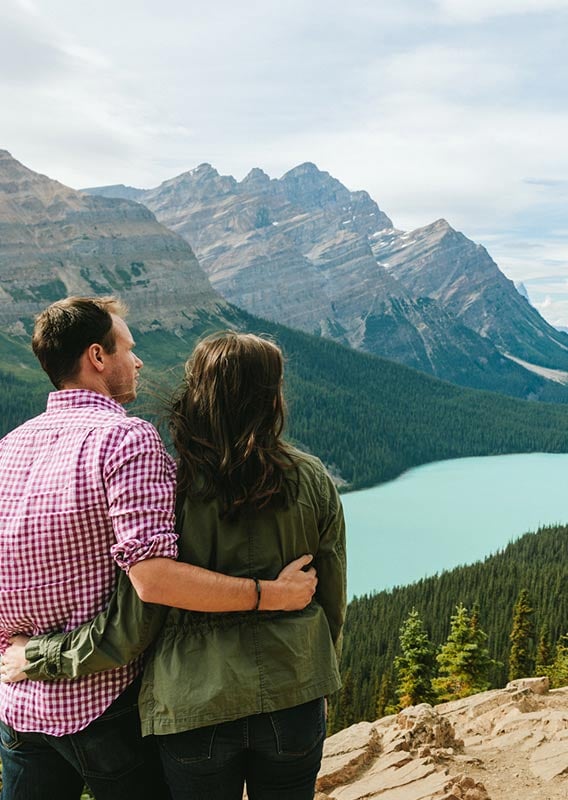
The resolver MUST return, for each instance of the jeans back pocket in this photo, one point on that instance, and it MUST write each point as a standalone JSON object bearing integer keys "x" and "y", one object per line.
{"x": 9, "y": 738}
{"x": 299, "y": 729}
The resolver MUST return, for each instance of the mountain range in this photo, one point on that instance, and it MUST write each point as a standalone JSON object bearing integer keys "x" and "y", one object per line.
{"x": 305, "y": 251}
{"x": 380, "y": 417}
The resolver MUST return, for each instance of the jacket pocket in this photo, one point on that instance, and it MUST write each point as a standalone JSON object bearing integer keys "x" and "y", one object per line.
{"x": 299, "y": 729}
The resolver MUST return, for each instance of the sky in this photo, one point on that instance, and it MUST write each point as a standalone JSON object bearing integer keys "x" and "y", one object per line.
{"x": 438, "y": 108}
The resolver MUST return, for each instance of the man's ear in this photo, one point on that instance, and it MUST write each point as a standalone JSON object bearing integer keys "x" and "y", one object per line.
{"x": 95, "y": 355}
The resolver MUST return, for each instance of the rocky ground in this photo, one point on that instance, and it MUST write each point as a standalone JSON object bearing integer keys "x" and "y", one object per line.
{"x": 506, "y": 743}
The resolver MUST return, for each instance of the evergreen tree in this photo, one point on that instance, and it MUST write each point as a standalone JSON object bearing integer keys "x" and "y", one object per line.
{"x": 415, "y": 665}
{"x": 344, "y": 712}
{"x": 544, "y": 651}
{"x": 558, "y": 671}
{"x": 521, "y": 659}
{"x": 383, "y": 692}
{"x": 464, "y": 661}
{"x": 536, "y": 561}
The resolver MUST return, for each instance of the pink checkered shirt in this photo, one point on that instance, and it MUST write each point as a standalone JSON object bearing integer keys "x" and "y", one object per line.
{"x": 82, "y": 486}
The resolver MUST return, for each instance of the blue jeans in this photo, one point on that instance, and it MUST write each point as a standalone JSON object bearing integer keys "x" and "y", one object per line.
{"x": 278, "y": 754}
{"x": 109, "y": 755}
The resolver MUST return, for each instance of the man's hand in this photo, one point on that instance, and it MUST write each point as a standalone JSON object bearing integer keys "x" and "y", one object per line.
{"x": 292, "y": 590}
{"x": 14, "y": 660}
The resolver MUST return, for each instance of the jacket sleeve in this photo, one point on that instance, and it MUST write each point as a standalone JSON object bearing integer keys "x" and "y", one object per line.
{"x": 114, "y": 637}
{"x": 331, "y": 562}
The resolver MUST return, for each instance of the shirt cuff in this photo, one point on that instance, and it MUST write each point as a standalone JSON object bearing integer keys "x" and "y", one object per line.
{"x": 131, "y": 551}
{"x": 44, "y": 656}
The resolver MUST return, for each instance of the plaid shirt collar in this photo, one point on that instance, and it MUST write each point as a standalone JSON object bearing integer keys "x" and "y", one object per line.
{"x": 82, "y": 398}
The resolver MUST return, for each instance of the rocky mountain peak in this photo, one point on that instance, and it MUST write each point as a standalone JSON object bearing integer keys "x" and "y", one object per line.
{"x": 311, "y": 189}
{"x": 57, "y": 241}
{"x": 24, "y": 193}
{"x": 255, "y": 179}
{"x": 306, "y": 168}
{"x": 441, "y": 224}
{"x": 306, "y": 251}
{"x": 306, "y": 177}
{"x": 203, "y": 181}
{"x": 13, "y": 170}
{"x": 7, "y": 158}
{"x": 522, "y": 290}
{"x": 436, "y": 230}
{"x": 204, "y": 170}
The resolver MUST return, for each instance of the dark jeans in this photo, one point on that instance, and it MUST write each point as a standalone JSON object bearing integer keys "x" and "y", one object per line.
{"x": 109, "y": 755}
{"x": 278, "y": 754}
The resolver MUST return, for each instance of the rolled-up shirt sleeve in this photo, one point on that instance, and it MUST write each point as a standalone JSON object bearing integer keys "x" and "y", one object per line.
{"x": 139, "y": 477}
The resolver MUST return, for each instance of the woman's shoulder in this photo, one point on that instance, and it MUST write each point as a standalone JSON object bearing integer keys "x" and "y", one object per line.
{"x": 311, "y": 470}
{"x": 306, "y": 462}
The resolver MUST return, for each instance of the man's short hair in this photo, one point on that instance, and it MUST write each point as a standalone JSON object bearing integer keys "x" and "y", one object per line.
{"x": 65, "y": 329}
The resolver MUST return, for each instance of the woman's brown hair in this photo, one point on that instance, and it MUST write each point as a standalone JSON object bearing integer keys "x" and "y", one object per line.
{"x": 227, "y": 421}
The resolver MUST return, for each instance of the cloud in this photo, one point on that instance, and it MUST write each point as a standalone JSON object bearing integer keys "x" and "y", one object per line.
{"x": 554, "y": 311}
{"x": 481, "y": 10}
{"x": 26, "y": 59}
{"x": 439, "y": 108}
{"x": 449, "y": 70}
{"x": 548, "y": 183}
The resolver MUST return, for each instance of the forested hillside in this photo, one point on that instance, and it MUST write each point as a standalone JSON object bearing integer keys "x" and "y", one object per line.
{"x": 375, "y": 418}
{"x": 367, "y": 418}
{"x": 537, "y": 563}
{"x": 23, "y": 385}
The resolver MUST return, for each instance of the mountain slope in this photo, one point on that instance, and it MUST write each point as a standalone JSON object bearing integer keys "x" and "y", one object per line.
{"x": 306, "y": 252}
{"x": 438, "y": 262}
{"x": 380, "y": 417}
{"x": 368, "y": 419}
{"x": 56, "y": 241}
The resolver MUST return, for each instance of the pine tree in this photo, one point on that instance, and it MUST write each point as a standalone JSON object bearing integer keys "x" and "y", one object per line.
{"x": 383, "y": 692}
{"x": 521, "y": 659}
{"x": 558, "y": 670}
{"x": 544, "y": 651}
{"x": 344, "y": 712}
{"x": 415, "y": 664}
{"x": 464, "y": 661}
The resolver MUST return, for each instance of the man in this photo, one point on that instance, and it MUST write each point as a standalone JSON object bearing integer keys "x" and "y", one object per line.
{"x": 78, "y": 484}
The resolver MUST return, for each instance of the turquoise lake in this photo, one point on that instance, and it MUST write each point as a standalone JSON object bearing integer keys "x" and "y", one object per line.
{"x": 448, "y": 513}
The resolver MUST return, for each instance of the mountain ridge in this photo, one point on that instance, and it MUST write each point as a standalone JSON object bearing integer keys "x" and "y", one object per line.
{"x": 65, "y": 242}
{"x": 305, "y": 251}
{"x": 381, "y": 417}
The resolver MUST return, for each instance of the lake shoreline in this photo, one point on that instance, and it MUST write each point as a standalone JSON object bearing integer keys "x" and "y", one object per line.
{"x": 439, "y": 515}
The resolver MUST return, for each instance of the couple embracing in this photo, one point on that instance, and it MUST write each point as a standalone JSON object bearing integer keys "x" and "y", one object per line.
{"x": 180, "y": 645}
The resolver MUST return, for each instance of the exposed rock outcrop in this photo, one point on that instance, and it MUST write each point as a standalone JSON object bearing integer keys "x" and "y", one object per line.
{"x": 497, "y": 745}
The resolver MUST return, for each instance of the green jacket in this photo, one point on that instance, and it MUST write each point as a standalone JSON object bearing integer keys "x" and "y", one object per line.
{"x": 209, "y": 668}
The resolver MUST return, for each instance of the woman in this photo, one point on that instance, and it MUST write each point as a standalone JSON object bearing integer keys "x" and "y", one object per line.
{"x": 236, "y": 697}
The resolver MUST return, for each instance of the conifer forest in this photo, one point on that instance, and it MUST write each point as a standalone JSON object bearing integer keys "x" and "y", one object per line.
{"x": 466, "y": 630}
